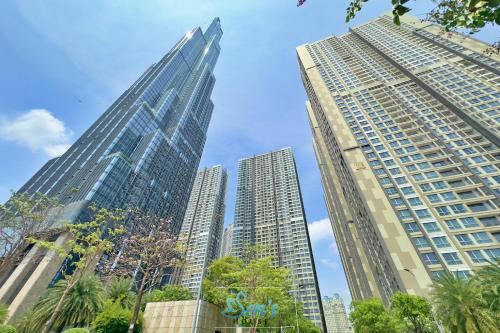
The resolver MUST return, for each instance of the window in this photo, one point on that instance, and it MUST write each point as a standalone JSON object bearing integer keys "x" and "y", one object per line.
{"x": 422, "y": 213}
{"x": 404, "y": 214}
{"x": 458, "y": 209}
{"x": 476, "y": 256}
{"x": 407, "y": 190}
{"x": 493, "y": 253}
{"x": 415, "y": 201}
{"x": 418, "y": 177}
{"x": 448, "y": 196}
{"x": 401, "y": 180}
{"x": 452, "y": 258}
{"x": 436, "y": 274}
{"x": 412, "y": 227}
{"x": 397, "y": 202}
{"x": 391, "y": 191}
{"x": 443, "y": 210}
{"x": 441, "y": 241}
{"x": 430, "y": 258}
{"x": 489, "y": 221}
{"x": 478, "y": 207}
{"x": 425, "y": 187}
{"x": 464, "y": 239}
{"x": 420, "y": 242}
{"x": 431, "y": 174}
{"x": 433, "y": 198}
{"x": 431, "y": 227}
{"x": 462, "y": 274}
{"x": 453, "y": 224}
{"x": 469, "y": 222}
{"x": 481, "y": 237}
{"x": 439, "y": 185}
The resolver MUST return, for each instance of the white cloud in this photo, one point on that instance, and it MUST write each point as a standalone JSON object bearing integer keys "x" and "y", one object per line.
{"x": 330, "y": 263}
{"x": 38, "y": 130}
{"x": 320, "y": 230}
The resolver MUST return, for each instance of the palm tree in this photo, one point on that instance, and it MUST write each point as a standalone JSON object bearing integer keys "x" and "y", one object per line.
{"x": 120, "y": 291}
{"x": 84, "y": 301}
{"x": 489, "y": 279}
{"x": 459, "y": 305}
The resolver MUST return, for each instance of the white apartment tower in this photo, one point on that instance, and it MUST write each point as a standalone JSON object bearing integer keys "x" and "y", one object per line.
{"x": 406, "y": 128}
{"x": 335, "y": 315}
{"x": 227, "y": 242}
{"x": 203, "y": 224}
{"x": 269, "y": 213}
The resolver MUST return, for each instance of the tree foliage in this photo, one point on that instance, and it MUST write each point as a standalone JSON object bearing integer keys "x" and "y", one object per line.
{"x": 79, "y": 308}
{"x": 370, "y": 316}
{"x": 77, "y": 330}
{"x": 22, "y": 217}
{"x": 414, "y": 312}
{"x": 148, "y": 248}
{"x": 261, "y": 282}
{"x": 88, "y": 240}
{"x": 471, "y": 15}
{"x": 4, "y": 311}
{"x": 120, "y": 291}
{"x": 7, "y": 329}
{"x": 114, "y": 319}
{"x": 169, "y": 292}
{"x": 460, "y": 305}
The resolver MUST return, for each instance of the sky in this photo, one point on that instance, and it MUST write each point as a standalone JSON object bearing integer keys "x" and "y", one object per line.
{"x": 62, "y": 63}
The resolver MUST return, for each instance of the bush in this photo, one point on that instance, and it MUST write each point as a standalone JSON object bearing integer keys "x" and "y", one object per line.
{"x": 4, "y": 311}
{"x": 77, "y": 330}
{"x": 7, "y": 329}
{"x": 114, "y": 319}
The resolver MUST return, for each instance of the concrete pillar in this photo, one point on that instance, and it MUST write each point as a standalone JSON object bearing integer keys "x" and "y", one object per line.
{"x": 37, "y": 282}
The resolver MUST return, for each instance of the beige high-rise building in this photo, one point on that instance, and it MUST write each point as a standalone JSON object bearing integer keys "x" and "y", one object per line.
{"x": 406, "y": 125}
{"x": 203, "y": 225}
{"x": 335, "y": 315}
{"x": 227, "y": 242}
{"x": 269, "y": 213}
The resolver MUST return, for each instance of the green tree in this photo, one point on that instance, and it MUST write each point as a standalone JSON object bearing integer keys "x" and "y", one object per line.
{"x": 115, "y": 319}
{"x": 148, "y": 248}
{"x": 7, "y": 329}
{"x": 120, "y": 291}
{"x": 87, "y": 242}
{"x": 370, "y": 316}
{"x": 4, "y": 312}
{"x": 77, "y": 330}
{"x": 488, "y": 278}
{"x": 459, "y": 305}
{"x": 414, "y": 311}
{"x": 169, "y": 292}
{"x": 471, "y": 15}
{"x": 260, "y": 282}
{"x": 22, "y": 217}
{"x": 80, "y": 306}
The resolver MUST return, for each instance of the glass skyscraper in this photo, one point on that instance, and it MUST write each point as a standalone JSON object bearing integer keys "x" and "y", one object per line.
{"x": 203, "y": 226}
{"x": 406, "y": 123}
{"x": 269, "y": 213}
{"x": 142, "y": 152}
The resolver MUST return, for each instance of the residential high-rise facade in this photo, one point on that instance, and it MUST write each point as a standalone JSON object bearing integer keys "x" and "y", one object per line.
{"x": 227, "y": 242}
{"x": 335, "y": 315}
{"x": 405, "y": 124}
{"x": 142, "y": 152}
{"x": 203, "y": 225}
{"x": 269, "y": 213}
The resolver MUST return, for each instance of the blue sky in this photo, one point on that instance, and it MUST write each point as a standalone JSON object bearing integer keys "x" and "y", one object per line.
{"x": 62, "y": 63}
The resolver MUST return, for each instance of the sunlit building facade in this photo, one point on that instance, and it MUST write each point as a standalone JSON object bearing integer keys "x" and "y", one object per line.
{"x": 269, "y": 213}
{"x": 227, "y": 242}
{"x": 405, "y": 123}
{"x": 143, "y": 152}
{"x": 335, "y": 315}
{"x": 203, "y": 225}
